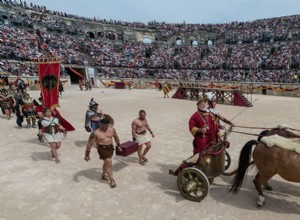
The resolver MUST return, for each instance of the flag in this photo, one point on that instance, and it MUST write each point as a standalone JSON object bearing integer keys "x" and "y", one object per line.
{"x": 49, "y": 75}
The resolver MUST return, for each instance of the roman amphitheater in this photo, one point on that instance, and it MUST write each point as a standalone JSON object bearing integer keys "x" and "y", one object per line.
{"x": 258, "y": 58}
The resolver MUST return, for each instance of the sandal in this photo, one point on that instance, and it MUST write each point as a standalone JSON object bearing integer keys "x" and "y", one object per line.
{"x": 105, "y": 177}
{"x": 145, "y": 159}
{"x": 142, "y": 162}
{"x": 57, "y": 160}
{"x": 113, "y": 184}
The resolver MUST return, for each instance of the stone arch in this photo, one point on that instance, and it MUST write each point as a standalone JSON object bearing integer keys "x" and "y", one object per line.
{"x": 100, "y": 34}
{"x": 194, "y": 43}
{"x": 147, "y": 40}
{"x": 110, "y": 35}
{"x": 90, "y": 34}
{"x": 178, "y": 41}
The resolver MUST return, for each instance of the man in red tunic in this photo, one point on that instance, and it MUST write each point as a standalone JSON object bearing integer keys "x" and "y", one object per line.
{"x": 203, "y": 126}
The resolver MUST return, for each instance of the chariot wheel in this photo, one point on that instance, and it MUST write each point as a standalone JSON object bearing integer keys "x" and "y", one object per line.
{"x": 193, "y": 184}
{"x": 227, "y": 160}
{"x": 112, "y": 122}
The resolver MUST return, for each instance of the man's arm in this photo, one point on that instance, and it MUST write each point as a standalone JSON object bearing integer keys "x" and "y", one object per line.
{"x": 148, "y": 128}
{"x": 89, "y": 146}
{"x": 133, "y": 129}
{"x": 117, "y": 140}
{"x": 225, "y": 120}
{"x": 87, "y": 122}
{"x": 194, "y": 126}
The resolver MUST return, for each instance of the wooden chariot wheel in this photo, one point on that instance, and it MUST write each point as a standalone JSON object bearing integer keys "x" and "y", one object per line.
{"x": 227, "y": 160}
{"x": 193, "y": 184}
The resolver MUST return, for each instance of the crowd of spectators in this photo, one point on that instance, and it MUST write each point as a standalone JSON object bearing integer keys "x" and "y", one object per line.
{"x": 18, "y": 44}
{"x": 276, "y": 58}
{"x": 17, "y": 68}
{"x": 262, "y": 29}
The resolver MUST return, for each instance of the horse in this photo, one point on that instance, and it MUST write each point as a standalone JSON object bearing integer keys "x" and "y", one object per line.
{"x": 279, "y": 131}
{"x": 269, "y": 161}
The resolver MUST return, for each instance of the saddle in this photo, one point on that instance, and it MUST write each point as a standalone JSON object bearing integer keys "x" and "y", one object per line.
{"x": 292, "y": 144}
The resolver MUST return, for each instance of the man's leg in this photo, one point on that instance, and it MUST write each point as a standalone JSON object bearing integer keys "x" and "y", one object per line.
{"x": 54, "y": 152}
{"x": 33, "y": 120}
{"x": 58, "y": 145}
{"x": 148, "y": 146}
{"x": 6, "y": 111}
{"x": 140, "y": 155}
{"x": 108, "y": 170}
{"x": 19, "y": 119}
{"x": 104, "y": 174}
{"x": 28, "y": 122}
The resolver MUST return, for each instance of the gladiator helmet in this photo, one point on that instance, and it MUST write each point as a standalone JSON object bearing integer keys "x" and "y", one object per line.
{"x": 93, "y": 105}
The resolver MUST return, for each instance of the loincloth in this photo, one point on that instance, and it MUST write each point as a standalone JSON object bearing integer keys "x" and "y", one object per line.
{"x": 142, "y": 138}
{"x": 105, "y": 151}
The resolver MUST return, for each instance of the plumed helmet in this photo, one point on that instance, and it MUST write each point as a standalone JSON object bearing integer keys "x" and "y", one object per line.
{"x": 92, "y": 103}
{"x": 209, "y": 97}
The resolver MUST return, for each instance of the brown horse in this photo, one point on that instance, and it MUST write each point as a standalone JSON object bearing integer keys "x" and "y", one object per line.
{"x": 269, "y": 161}
{"x": 281, "y": 132}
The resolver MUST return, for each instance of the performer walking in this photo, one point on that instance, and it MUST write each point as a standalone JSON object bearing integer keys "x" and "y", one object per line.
{"x": 7, "y": 104}
{"x": 139, "y": 128}
{"x": 103, "y": 139}
{"x": 93, "y": 116}
{"x": 166, "y": 90}
{"x": 28, "y": 111}
{"x": 52, "y": 132}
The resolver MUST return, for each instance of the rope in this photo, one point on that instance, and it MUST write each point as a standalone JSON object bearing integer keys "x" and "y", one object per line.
{"x": 239, "y": 132}
{"x": 237, "y": 126}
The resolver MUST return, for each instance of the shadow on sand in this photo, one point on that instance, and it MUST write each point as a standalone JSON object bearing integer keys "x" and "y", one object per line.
{"x": 38, "y": 156}
{"x": 92, "y": 174}
{"x": 276, "y": 201}
{"x": 81, "y": 143}
{"x": 166, "y": 182}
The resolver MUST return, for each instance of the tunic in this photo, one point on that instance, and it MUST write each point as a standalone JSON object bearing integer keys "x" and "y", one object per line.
{"x": 51, "y": 133}
{"x": 201, "y": 120}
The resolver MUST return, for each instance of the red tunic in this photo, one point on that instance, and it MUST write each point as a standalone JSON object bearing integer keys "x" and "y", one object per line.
{"x": 39, "y": 108}
{"x": 207, "y": 139}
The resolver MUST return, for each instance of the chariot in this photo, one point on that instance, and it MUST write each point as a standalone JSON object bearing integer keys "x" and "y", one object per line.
{"x": 195, "y": 174}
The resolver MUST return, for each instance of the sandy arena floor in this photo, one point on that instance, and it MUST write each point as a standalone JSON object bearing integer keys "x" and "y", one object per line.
{"x": 34, "y": 187}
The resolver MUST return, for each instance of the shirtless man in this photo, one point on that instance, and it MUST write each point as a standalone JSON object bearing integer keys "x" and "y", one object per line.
{"x": 103, "y": 139}
{"x": 139, "y": 134}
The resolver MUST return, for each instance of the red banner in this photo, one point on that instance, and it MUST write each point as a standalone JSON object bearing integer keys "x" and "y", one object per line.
{"x": 49, "y": 75}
